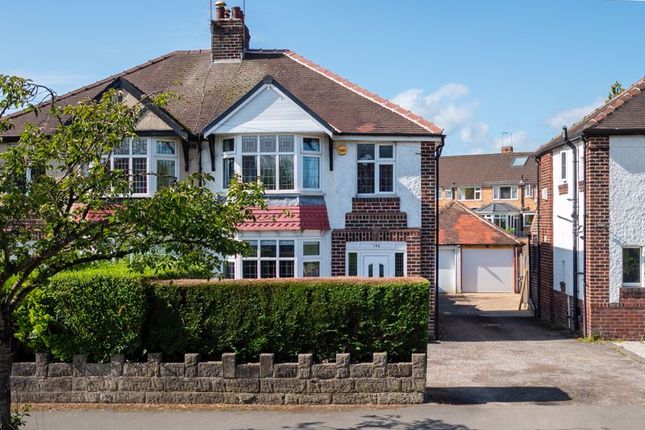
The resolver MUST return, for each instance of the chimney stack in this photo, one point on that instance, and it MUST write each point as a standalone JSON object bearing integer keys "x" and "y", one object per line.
{"x": 229, "y": 36}
{"x": 507, "y": 149}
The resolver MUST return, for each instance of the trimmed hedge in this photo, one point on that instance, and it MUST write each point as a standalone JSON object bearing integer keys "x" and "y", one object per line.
{"x": 102, "y": 314}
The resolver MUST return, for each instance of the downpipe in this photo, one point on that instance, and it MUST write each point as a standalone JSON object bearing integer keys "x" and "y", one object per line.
{"x": 575, "y": 233}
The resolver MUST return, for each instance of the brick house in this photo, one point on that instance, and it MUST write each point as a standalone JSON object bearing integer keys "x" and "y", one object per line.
{"x": 589, "y": 243}
{"x": 498, "y": 187}
{"x": 349, "y": 176}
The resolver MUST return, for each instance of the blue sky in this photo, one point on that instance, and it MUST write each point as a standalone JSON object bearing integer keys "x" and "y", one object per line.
{"x": 477, "y": 68}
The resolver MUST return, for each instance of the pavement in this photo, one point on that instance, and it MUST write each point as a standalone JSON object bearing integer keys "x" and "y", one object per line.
{"x": 494, "y": 368}
{"x": 637, "y": 348}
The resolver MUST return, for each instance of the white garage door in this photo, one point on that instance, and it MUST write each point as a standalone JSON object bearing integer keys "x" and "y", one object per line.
{"x": 487, "y": 270}
{"x": 447, "y": 270}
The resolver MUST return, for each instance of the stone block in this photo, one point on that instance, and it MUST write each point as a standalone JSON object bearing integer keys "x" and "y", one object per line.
{"x": 217, "y": 384}
{"x": 211, "y": 369}
{"x": 285, "y": 370}
{"x": 84, "y": 397}
{"x": 171, "y": 369}
{"x": 191, "y": 363}
{"x": 361, "y": 370}
{"x": 243, "y": 385}
{"x": 228, "y": 365}
{"x": 23, "y": 369}
{"x": 42, "y": 361}
{"x": 266, "y": 365}
{"x": 207, "y": 398}
{"x": 26, "y": 384}
{"x": 354, "y": 398}
{"x": 399, "y": 398}
{"x": 270, "y": 398}
{"x": 413, "y": 385}
{"x": 283, "y": 385}
{"x": 129, "y": 397}
{"x": 138, "y": 369}
{"x": 377, "y": 385}
{"x": 97, "y": 369}
{"x": 140, "y": 383}
{"x": 330, "y": 385}
{"x": 154, "y": 363}
{"x": 399, "y": 370}
{"x": 342, "y": 365}
{"x": 324, "y": 371}
{"x": 116, "y": 362}
{"x": 307, "y": 399}
{"x": 59, "y": 369}
{"x": 419, "y": 365}
{"x": 379, "y": 362}
{"x": 78, "y": 364}
{"x": 188, "y": 384}
{"x": 94, "y": 383}
{"x": 251, "y": 370}
{"x": 305, "y": 361}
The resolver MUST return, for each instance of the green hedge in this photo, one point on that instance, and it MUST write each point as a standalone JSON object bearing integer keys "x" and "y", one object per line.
{"x": 101, "y": 314}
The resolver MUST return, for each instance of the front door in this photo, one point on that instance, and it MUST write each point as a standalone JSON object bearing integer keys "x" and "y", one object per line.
{"x": 376, "y": 266}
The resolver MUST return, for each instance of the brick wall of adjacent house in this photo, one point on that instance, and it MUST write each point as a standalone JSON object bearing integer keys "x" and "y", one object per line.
{"x": 625, "y": 319}
{"x": 197, "y": 382}
{"x": 429, "y": 224}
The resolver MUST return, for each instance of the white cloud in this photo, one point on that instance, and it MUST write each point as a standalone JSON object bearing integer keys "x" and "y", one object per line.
{"x": 571, "y": 116}
{"x": 519, "y": 140}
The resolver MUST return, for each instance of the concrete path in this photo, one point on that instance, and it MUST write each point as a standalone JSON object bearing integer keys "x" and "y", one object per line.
{"x": 486, "y": 357}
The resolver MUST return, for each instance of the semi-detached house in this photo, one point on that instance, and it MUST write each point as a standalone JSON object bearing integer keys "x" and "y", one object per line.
{"x": 349, "y": 176}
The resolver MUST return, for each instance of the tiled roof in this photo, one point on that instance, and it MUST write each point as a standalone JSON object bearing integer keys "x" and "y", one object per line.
{"x": 458, "y": 225}
{"x": 486, "y": 169}
{"x": 205, "y": 90}
{"x": 288, "y": 218}
{"x": 497, "y": 208}
{"x": 622, "y": 113}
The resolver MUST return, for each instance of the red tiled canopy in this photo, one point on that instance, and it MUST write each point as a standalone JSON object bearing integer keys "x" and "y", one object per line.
{"x": 458, "y": 225}
{"x": 288, "y": 218}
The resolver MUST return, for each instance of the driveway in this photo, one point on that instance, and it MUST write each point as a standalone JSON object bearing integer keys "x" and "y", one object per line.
{"x": 490, "y": 354}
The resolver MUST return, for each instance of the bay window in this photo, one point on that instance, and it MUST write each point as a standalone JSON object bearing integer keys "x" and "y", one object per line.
{"x": 228, "y": 161}
{"x": 311, "y": 163}
{"x": 508, "y": 192}
{"x": 470, "y": 193}
{"x": 375, "y": 168}
{"x": 276, "y": 257}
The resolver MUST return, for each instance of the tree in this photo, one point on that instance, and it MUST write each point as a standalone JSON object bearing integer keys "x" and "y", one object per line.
{"x": 81, "y": 211}
{"x": 615, "y": 90}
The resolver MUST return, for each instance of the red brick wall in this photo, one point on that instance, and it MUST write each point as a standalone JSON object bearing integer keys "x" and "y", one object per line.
{"x": 376, "y": 213}
{"x": 428, "y": 226}
{"x": 625, "y": 319}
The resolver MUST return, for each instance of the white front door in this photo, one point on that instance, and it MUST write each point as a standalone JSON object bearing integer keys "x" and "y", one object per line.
{"x": 447, "y": 270}
{"x": 376, "y": 266}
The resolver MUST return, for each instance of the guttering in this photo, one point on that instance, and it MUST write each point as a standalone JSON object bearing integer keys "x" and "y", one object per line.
{"x": 437, "y": 154}
{"x": 574, "y": 228}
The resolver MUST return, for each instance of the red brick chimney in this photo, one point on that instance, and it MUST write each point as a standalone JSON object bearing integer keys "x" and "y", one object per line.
{"x": 507, "y": 149}
{"x": 229, "y": 36}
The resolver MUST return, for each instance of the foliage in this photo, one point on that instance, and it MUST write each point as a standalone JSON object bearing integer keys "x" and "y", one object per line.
{"x": 615, "y": 90}
{"x": 286, "y": 317}
{"x": 19, "y": 417}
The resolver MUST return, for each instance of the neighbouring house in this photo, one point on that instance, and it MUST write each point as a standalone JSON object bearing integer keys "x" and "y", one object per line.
{"x": 589, "y": 243}
{"x": 475, "y": 255}
{"x": 499, "y": 187}
{"x": 349, "y": 176}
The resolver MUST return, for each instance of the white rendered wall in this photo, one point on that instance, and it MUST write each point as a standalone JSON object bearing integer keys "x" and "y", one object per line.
{"x": 626, "y": 203}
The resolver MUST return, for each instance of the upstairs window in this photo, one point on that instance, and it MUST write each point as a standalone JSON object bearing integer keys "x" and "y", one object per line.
{"x": 447, "y": 193}
{"x": 131, "y": 157}
{"x": 470, "y": 193}
{"x": 166, "y": 159}
{"x": 632, "y": 266}
{"x": 528, "y": 190}
{"x": 375, "y": 168}
{"x": 310, "y": 163}
{"x": 228, "y": 162}
{"x": 563, "y": 165}
{"x": 505, "y": 193}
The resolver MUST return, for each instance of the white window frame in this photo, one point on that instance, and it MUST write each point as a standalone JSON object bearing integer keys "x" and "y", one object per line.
{"x": 164, "y": 157}
{"x": 563, "y": 166}
{"x": 528, "y": 190}
{"x": 497, "y": 191}
{"x": 259, "y": 259}
{"x": 228, "y": 155}
{"x": 525, "y": 215}
{"x": 310, "y": 258}
{"x": 310, "y": 154}
{"x": 477, "y": 194}
{"x": 378, "y": 161}
{"x": 641, "y": 264}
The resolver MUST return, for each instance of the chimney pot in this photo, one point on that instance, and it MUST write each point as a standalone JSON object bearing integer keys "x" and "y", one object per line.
{"x": 507, "y": 149}
{"x": 236, "y": 12}
{"x": 220, "y": 10}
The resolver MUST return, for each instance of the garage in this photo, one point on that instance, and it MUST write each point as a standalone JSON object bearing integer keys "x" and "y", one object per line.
{"x": 475, "y": 256}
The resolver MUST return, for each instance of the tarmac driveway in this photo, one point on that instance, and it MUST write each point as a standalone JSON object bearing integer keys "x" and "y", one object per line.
{"x": 486, "y": 355}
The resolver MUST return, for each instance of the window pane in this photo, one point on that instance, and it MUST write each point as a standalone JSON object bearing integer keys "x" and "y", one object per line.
{"x": 386, "y": 151}
{"x": 311, "y": 144}
{"x": 287, "y": 268}
{"x": 122, "y": 164}
{"x": 267, "y": 269}
{"x": 287, "y": 248}
{"x": 386, "y": 178}
{"x": 381, "y": 270}
{"x": 366, "y": 178}
{"x": 286, "y": 172}
{"x": 311, "y": 269}
{"x": 268, "y": 248}
{"x": 267, "y": 171}
{"x": 398, "y": 264}
{"x": 253, "y": 245}
{"x": 228, "y": 270}
{"x": 166, "y": 148}
{"x": 249, "y": 144}
{"x": 632, "y": 265}
{"x": 311, "y": 248}
{"x": 311, "y": 172}
{"x": 249, "y": 269}
{"x": 139, "y": 146}
{"x": 267, "y": 143}
{"x": 228, "y": 171}
{"x": 352, "y": 264}
{"x": 124, "y": 148}
{"x": 286, "y": 143}
{"x": 505, "y": 192}
{"x": 165, "y": 173}
{"x": 139, "y": 177}
{"x": 249, "y": 168}
{"x": 365, "y": 152}
{"x": 228, "y": 145}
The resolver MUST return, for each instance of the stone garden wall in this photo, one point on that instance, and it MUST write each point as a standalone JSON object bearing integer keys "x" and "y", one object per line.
{"x": 203, "y": 382}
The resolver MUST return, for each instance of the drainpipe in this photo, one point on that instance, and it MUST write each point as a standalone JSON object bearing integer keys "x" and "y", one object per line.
{"x": 537, "y": 264}
{"x": 574, "y": 215}
{"x": 584, "y": 241}
{"x": 437, "y": 154}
